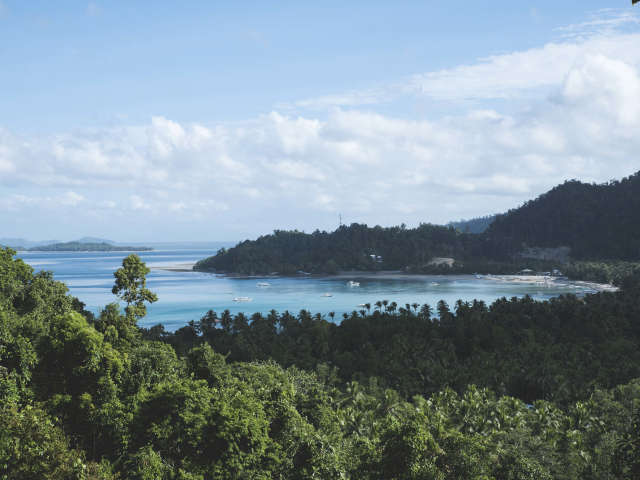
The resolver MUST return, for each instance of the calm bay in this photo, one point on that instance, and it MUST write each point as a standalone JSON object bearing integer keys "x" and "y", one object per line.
{"x": 188, "y": 295}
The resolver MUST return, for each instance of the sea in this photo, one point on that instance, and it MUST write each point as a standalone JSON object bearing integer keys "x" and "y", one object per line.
{"x": 188, "y": 295}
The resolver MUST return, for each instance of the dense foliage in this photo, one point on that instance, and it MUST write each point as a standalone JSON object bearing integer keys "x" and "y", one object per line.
{"x": 87, "y": 247}
{"x": 602, "y": 272}
{"x": 354, "y": 247}
{"x": 91, "y": 398}
{"x": 596, "y": 221}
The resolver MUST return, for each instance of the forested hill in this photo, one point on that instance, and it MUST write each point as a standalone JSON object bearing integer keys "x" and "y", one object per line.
{"x": 87, "y": 247}
{"x": 595, "y": 221}
{"x": 393, "y": 393}
{"x": 354, "y": 247}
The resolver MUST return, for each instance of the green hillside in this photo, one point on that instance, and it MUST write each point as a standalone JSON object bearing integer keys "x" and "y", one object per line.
{"x": 517, "y": 390}
{"x": 597, "y": 221}
{"x": 353, "y": 247}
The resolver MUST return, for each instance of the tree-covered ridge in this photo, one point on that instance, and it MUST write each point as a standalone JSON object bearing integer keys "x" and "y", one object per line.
{"x": 353, "y": 247}
{"x": 595, "y": 221}
{"x": 87, "y": 247}
{"x": 91, "y": 398}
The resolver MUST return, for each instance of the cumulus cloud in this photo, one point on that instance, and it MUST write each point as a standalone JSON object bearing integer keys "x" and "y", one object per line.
{"x": 70, "y": 199}
{"x": 301, "y": 170}
{"x": 138, "y": 203}
{"x": 18, "y": 202}
{"x": 508, "y": 75}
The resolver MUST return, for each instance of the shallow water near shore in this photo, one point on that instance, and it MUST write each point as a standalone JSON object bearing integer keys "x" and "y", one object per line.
{"x": 186, "y": 295}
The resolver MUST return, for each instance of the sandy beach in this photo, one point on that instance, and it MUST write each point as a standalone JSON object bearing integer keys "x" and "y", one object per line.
{"x": 550, "y": 280}
{"x": 538, "y": 280}
{"x": 175, "y": 267}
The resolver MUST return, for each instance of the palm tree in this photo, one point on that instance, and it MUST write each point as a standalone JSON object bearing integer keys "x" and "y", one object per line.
{"x": 368, "y": 307}
{"x": 332, "y": 314}
{"x": 378, "y": 305}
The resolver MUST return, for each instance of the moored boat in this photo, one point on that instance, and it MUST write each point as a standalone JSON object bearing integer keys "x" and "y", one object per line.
{"x": 242, "y": 299}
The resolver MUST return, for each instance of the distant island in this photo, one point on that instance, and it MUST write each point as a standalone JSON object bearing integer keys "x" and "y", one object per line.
{"x": 576, "y": 225}
{"x": 87, "y": 247}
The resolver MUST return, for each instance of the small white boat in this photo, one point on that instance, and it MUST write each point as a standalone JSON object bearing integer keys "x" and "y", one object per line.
{"x": 242, "y": 299}
{"x": 327, "y": 295}
{"x": 351, "y": 283}
{"x": 435, "y": 284}
{"x": 477, "y": 275}
{"x": 264, "y": 284}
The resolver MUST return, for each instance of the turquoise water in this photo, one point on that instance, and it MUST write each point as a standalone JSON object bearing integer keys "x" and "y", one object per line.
{"x": 185, "y": 296}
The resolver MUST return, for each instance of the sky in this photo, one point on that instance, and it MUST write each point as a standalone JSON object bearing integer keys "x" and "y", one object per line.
{"x": 177, "y": 121}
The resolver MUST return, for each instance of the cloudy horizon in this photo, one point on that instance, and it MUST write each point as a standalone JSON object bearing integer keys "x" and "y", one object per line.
{"x": 434, "y": 141}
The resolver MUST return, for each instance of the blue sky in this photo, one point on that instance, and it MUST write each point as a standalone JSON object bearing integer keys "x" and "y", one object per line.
{"x": 165, "y": 121}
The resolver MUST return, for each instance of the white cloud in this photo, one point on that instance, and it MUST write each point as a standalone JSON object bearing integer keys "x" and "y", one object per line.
{"x": 106, "y": 204}
{"x": 288, "y": 170}
{"x": 606, "y": 21}
{"x": 138, "y": 203}
{"x": 18, "y": 202}
{"x": 508, "y": 75}
{"x": 70, "y": 199}
{"x": 605, "y": 86}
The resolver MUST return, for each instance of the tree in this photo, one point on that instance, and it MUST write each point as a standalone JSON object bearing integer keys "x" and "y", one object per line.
{"x": 131, "y": 286}
{"x": 627, "y": 455}
{"x": 32, "y": 446}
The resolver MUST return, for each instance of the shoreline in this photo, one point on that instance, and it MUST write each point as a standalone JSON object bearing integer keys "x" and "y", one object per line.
{"x": 175, "y": 267}
{"x": 537, "y": 280}
{"x": 543, "y": 281}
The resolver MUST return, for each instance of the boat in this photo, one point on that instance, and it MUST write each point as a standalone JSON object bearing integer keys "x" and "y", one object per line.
{"x": 327, "y": 295}
{"x": 242, "y": 299}
{"x": 264, "y": 284}
{"x": 477, "y": 275}
{"x": 351, "y": 283}
{"x": 435, "y": 284}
